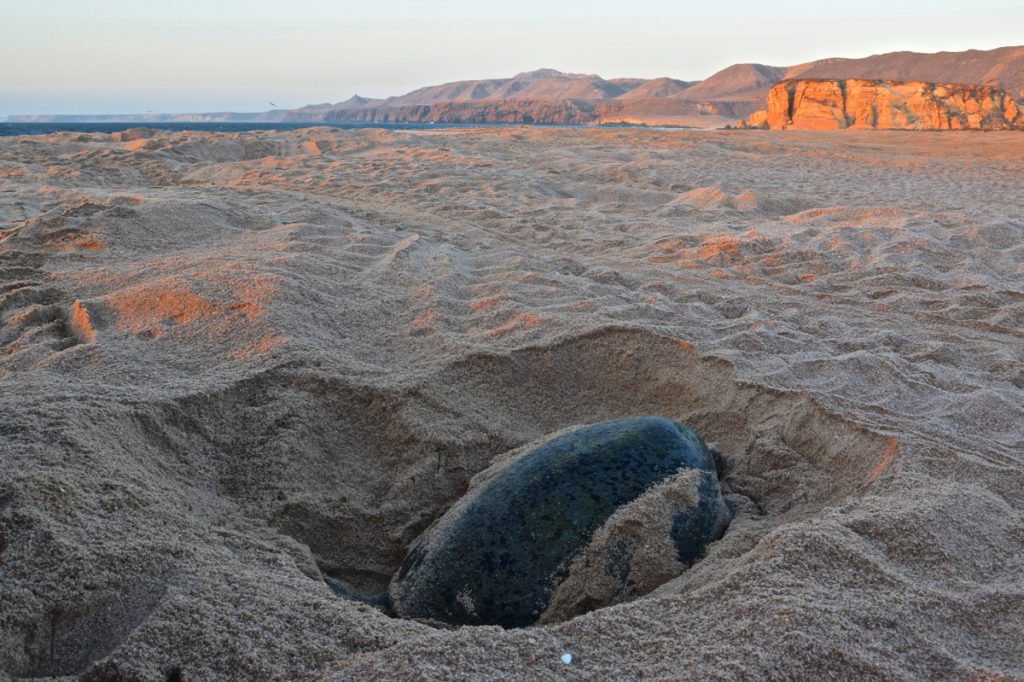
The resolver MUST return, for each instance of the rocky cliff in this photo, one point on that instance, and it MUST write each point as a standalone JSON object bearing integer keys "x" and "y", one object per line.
{"x": 570, "y": 112}
{"x": 645, "y": 111}
{"x": 832, "y": 104}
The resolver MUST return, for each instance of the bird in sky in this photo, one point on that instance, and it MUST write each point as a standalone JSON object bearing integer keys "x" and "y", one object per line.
{"x": 271, "y": 103}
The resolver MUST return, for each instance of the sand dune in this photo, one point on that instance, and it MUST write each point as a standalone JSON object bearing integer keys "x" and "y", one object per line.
{"x": 234, "y": 366}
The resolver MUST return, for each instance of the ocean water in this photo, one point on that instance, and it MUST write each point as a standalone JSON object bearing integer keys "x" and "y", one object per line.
{"x": 8, "y": 128}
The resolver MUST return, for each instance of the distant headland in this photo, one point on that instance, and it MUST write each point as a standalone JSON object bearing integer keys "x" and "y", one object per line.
{"x": 987, "y": 81}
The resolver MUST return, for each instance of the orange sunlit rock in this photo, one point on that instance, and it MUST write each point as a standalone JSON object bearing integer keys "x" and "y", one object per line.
{"x": 834, "y": 104}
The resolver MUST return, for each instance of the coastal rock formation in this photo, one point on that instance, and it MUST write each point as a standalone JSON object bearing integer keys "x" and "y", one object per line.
{"x": 832, "y": 104}
{"x": 567, "y": 112}
{"x": 640, "y": 111}
{"x": 550, "y": 96}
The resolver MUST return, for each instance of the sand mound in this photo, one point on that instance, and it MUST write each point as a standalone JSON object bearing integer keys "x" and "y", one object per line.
{"x": 236, "y": 366}
{"x": 354, "y": 472}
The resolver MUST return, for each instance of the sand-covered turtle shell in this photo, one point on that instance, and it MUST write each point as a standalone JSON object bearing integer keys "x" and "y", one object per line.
{"x": 499, "y": 553}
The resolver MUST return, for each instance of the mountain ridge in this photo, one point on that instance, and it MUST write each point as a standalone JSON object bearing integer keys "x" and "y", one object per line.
{"x": 729, "y": 95}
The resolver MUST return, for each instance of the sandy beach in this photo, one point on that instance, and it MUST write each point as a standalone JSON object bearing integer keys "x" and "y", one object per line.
{"x": 235, "y": 365}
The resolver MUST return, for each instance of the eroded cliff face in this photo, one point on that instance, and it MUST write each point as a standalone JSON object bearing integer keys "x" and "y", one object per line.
{"x": 832, "y": 104}
{"x": 571, "y": 112}
{"x": 642, "y": 111}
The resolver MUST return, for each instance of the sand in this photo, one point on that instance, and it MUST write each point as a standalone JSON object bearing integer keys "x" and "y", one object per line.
{"x": 234, "y": 365}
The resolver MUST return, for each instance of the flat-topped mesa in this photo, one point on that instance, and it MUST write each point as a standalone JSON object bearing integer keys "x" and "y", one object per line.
{"x": 833, "y": 104}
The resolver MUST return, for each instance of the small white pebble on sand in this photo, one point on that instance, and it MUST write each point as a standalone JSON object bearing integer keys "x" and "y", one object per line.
{"x": 567, "y": 658}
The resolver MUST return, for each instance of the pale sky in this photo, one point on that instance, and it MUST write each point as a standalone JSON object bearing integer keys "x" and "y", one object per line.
{"x": 116, "y": 56}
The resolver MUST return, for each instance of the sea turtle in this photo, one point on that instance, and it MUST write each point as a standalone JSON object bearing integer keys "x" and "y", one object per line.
{"x": 532, "y": 521}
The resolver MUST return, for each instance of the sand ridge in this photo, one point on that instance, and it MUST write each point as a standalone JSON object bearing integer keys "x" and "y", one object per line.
{"x": 233, "y": 364}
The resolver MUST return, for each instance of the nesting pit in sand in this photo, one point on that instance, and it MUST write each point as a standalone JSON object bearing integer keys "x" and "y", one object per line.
{"x": 355, "y": 472}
